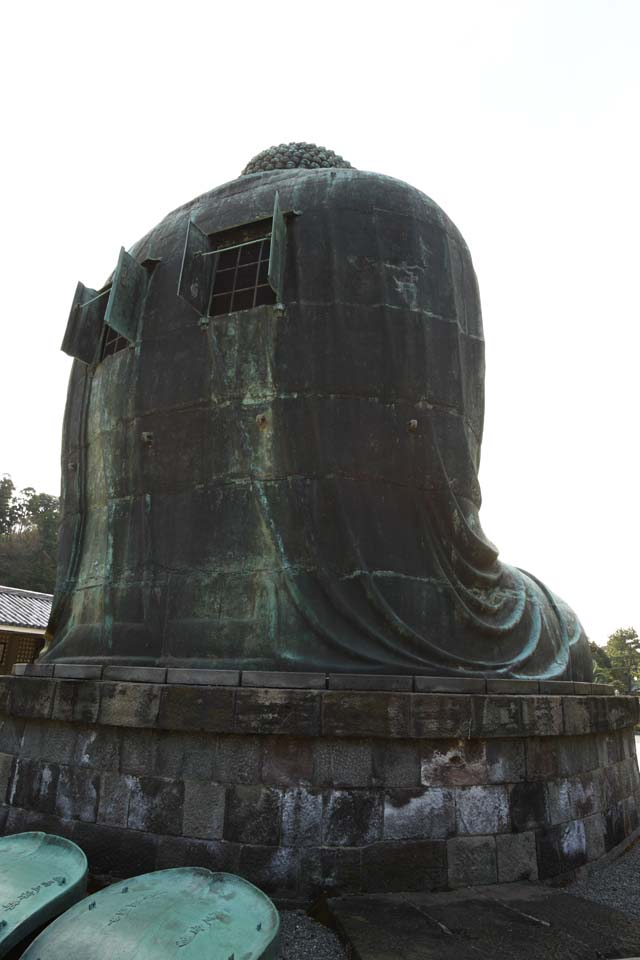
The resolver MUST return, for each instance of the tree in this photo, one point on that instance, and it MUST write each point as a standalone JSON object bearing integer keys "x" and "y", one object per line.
{"x": 623, "y": 650}
{"x": 28, "y": 537}
{"x": 601, "y": 664}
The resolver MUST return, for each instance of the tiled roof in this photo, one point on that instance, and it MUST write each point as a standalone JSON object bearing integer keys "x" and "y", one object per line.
{"x": 24, "y": 608}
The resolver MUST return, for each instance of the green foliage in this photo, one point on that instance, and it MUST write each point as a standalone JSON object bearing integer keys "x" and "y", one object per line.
{"x": 28, "y": 537}
{"x": 601, "y": 664}
{"x": 623, "y": 651}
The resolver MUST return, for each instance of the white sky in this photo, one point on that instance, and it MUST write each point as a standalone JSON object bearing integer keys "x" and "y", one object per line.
{"x": 519, "y": 118}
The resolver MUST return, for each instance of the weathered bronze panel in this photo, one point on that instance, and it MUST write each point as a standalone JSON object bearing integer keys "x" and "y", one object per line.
{"x": 84, "y": 326}
{"x": 129, "y": 286}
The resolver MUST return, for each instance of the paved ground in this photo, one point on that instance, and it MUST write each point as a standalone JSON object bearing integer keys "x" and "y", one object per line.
{"x": 510, "y": 922}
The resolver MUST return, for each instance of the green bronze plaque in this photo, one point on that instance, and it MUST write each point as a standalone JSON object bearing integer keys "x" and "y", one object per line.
{"x": 41, "y": 875}
{"x": 182, "y": 913}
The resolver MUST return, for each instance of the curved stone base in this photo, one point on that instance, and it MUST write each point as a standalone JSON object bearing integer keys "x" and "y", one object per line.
{"x": 305, "y": 791}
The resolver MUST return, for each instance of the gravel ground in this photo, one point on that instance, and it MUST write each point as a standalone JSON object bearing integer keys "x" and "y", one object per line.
{"x": 615, "y": 884}
{"x": 304, "y": 939}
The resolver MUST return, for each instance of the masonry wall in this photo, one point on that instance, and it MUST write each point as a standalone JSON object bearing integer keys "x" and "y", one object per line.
{"x": 304, "y": 791}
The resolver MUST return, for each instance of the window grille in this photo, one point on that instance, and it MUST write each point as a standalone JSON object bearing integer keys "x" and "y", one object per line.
{"x": 111, "y": 342}
{"x": 25, "y": 650}
{"x": 235, "y": 270}
{"x": 240, "y": 280}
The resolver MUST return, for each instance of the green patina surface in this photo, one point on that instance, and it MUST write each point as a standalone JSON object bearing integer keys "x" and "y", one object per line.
{"x": 295, "y": 485}
{"x": 40, "y": 876}
{"x": 185, "y": 913}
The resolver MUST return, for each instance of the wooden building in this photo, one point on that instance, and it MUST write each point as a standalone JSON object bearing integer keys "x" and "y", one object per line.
{"x": 24, "y": 615}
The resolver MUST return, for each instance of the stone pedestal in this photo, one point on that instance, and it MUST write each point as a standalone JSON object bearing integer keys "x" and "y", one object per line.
{"x": 310, "y": 790}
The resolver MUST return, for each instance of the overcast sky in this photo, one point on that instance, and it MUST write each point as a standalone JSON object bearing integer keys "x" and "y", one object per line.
{"x": 519, "y": 118}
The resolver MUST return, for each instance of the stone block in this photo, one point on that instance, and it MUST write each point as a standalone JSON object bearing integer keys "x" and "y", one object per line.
{"x": 630, "y": 814}
{"x": 301, "y": 817}
{"x": 620, "y": 712}
{"x": 330, "y": 870}
{"x": 267, "y": 711}
{"x": 78, "y": 671}
{"x": 492, "y": 716}
{"x": 113, "y": 852}
{"x": 469, "y": 762}
{"x": 138, "y": 752}
{"x": 436, "y": 715}
{"x": 7, "y": 762}
{"x": 11, "y": 733}
{"x": 396, "y": 763}
{"x": 288, "y": 680}
{"x": 577, "y": 721}
{"x": 86, "y": 705}
{"x": 32, "y": 697}
{"x": 77, "y": 794}
{"x": 113, "y": 804}
{"x": 6, "y": 687}
{"x": 287, "y": 760}
{"x": 23, "y": 821}
{"x": 581, "y": 689}
{"x": 363, "y": 681}
{"x": 505, "y": 761}
{"x": 33, "y": 740}
{"x": 611, "y": 786}
{"x": 365, "y": 714}
{"x": 215, "y": 855}
{"x": 613, "y": 826}
{"x": 557, "y": 688}
{"x": 38, "y": 669}
{"x": 482, "y": 809}
{"x": 129, "y": 704}
{"x": 76, "y": 700}
{"x": 209, "y": 678}
{"x": 98, "y": 747}
{"x": 155, "y": 805}
{"x": 577, "y": 755}
{"x": 601, "y": 719}
{"x": 561, "y": 849}
{"x": 419, "y": 814}
{"x": 274, "y": 870}
{"x": 44, "y": 740}
{"x": 611, "y": 748}
{"x": 472, "y": 861}
{"x": 594, "y": 828}
{"x": 34, "y": 786}
{"x": 132, "y": 674}
{"x": 509, "y": 686}
{"x": 253, "y": 815}
{"x": 542, "y": 716}
{"x": 203, "y": 810}
{"x": 413, "y": 865}
{"x": 183, "y": 755}
{"x": 571, "y": 799}
{"x": 237, "y": 760}
{"x": 517, "y": 857}
{"x": 342, "y": 763}
{"x": 450, "y": 685}
{"x": 352, "y": 817}
{"x": 197, "y": 708}
{"x": 528, "y": 806}
{"x": 602, "y": 690}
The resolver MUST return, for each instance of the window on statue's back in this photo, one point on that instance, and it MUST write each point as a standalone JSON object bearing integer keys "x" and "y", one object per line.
{"x": 236, "y": 269}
